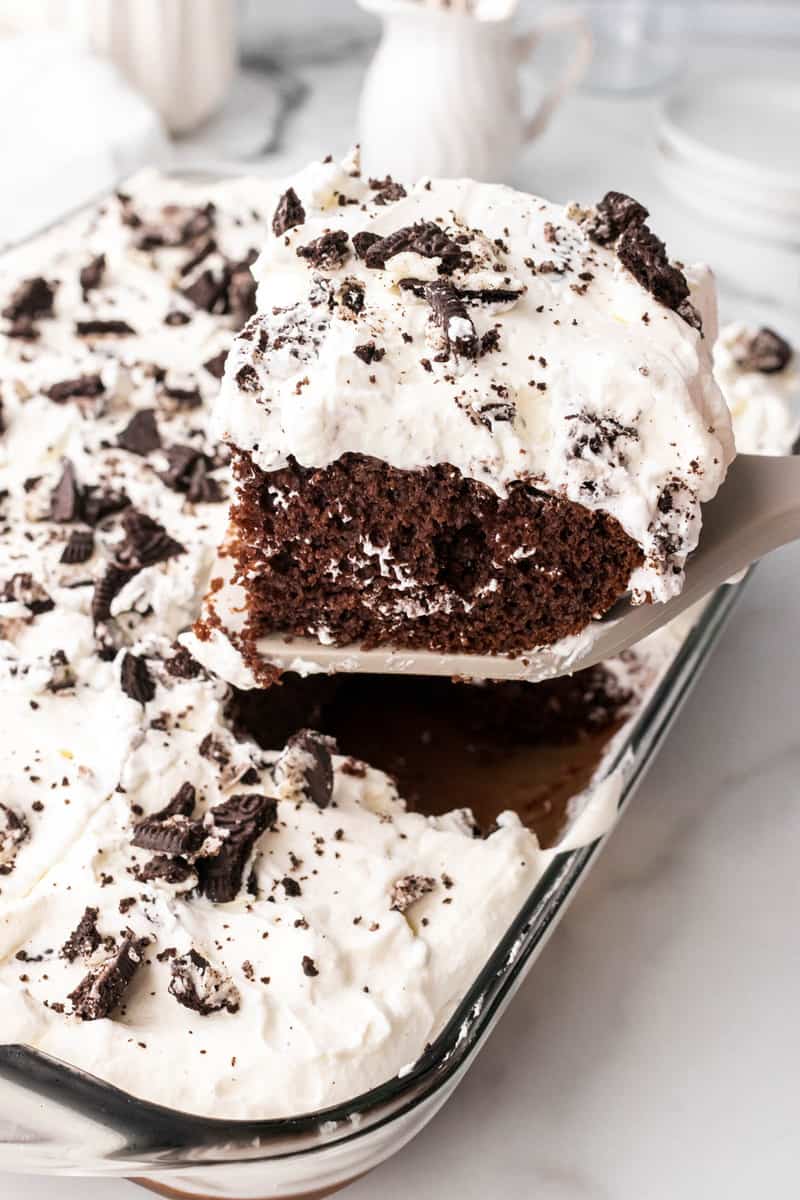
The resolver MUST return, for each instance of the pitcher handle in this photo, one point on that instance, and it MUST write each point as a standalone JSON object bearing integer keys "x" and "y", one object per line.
{"x": 550, "y": 22}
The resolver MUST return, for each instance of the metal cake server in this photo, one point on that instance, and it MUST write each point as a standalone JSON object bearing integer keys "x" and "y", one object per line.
{"x": 756, "y": 510}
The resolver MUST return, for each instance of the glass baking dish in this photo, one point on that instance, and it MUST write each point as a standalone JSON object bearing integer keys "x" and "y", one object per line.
{"x": 55, "y": 1119}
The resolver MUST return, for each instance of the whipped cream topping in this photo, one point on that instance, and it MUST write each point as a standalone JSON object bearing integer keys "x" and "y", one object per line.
{"x": 760, "y": 379}
{"x": 464, "y": 323}
{"x": 355, "y": 926}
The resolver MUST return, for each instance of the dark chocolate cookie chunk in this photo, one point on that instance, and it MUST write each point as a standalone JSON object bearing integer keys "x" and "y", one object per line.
{"x": 135, "y": 679}
{"x": 146, "y": 542}
{"x": 288, "y": 214}
{"x": 66, "y": 498}
{"x": 426, "y": 239}
{"x": 766, "y": 351}
{"x": 32, "y": 298}
{"x": 171, "y": 831}
{"x": 613, "y": 215}
{"x": 200, "y": 987}
{"x": 387, "y": 190}
{"x": 91, "y": 276}
{"x": 239, "y": 822}
{"x": 101, "y": 991}
{"x": 102, "y": 327}
{"x": 14, "y": 832}
{"x": 216, "y": 365}
{"x": 79, "y": 547}
{"x": 140, "y": 435}
{"x": 167, "y": 869}
{"x": 645, "y": 256}
{"x": 328, "y": 252}
{"x": 369, "y": 353}
{"x": 84, "y": 939}
{"x": 84, "y": 387}
{"x": 24, "y": 589}
{"x": 449, "y": 313}
{"x": 304, "y": 770}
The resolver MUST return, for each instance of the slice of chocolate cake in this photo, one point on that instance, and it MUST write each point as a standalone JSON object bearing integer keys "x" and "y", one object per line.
{"x": 463, "y": 418}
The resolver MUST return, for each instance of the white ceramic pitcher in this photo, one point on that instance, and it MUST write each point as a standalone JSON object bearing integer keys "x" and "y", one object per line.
{"x": 442, "y": 96}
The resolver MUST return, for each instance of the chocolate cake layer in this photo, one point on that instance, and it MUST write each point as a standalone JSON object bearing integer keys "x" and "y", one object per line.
{"x": 360, "y": 551}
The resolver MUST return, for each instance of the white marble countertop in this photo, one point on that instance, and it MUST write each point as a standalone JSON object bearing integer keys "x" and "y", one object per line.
{"x": 652, "y": 1052}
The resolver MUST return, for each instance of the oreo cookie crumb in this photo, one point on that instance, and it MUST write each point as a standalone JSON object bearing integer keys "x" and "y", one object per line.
{"x": 409, "y": 889}
{"x": 328, "y": 252}
{"x": 140, "y": 435}
{"x": 135, "y": 679}
{"x": 84, "y": 939}
{"x": 304, "y": 769}
{"x": 288, "y": 214}
{"x": 200, "y": 987}
{"x": 766, "y": 351}
{"x": 100, "y": 992}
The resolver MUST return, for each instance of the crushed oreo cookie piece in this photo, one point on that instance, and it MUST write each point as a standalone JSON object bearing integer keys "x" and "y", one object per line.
{"x": 135, "y": 679}
{"x": 766, "y": 351}
{"x": 177, "y": 224}
{"x": 216, "y": 365}
{"x": 66, "y": 499}
{"x": 14, "y": 832}
{"x": 200, "y": 987}
{"x": 146, "y": 542}
{"x": 95, "y": 327}
{"x": 387, "y": 190}
{"x": 101, "y": 502}
{"x": 188, "y": 472}
{"x": 328, "y": 252}
{"x": 32, "y": 299}
{"x": 369, "y": 353}
{"x": 207, "y": 291}
{"x": 409, "y": 889}
{"x": 79, "y": 547}
{"x": 288, "y": 214}
{"x": 24, "y": 589}
{"x": 91, "y": 276}
{"x": 84, "y": 387}
{"x": 613, "y": 215}
{"x": 23, "y": 329}
{"x": 309, "y": 967}
{"x": 140, "y": 435}
{"x": 238, "y": 822}
{"x": 84, "y": 939}
{"x": 203, "y": 488}
{"x": 449, "y": 313}
{"x": 171, "y": 830}
{"x": 363, "y": 241}
{"x": 182, "y": 665}
{"x": 167, "y": 869}
{"x": 645, "y": 256}
{"x": 426, "y": 239}
{"x": 241, "y": 289}
{"x": 304, "y": 770}
{"x": 351, "y": 296}
{"x": 100, "y": 992}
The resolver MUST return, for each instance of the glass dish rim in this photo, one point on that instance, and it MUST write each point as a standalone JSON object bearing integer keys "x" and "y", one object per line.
{"x": 167, "y": 1137}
